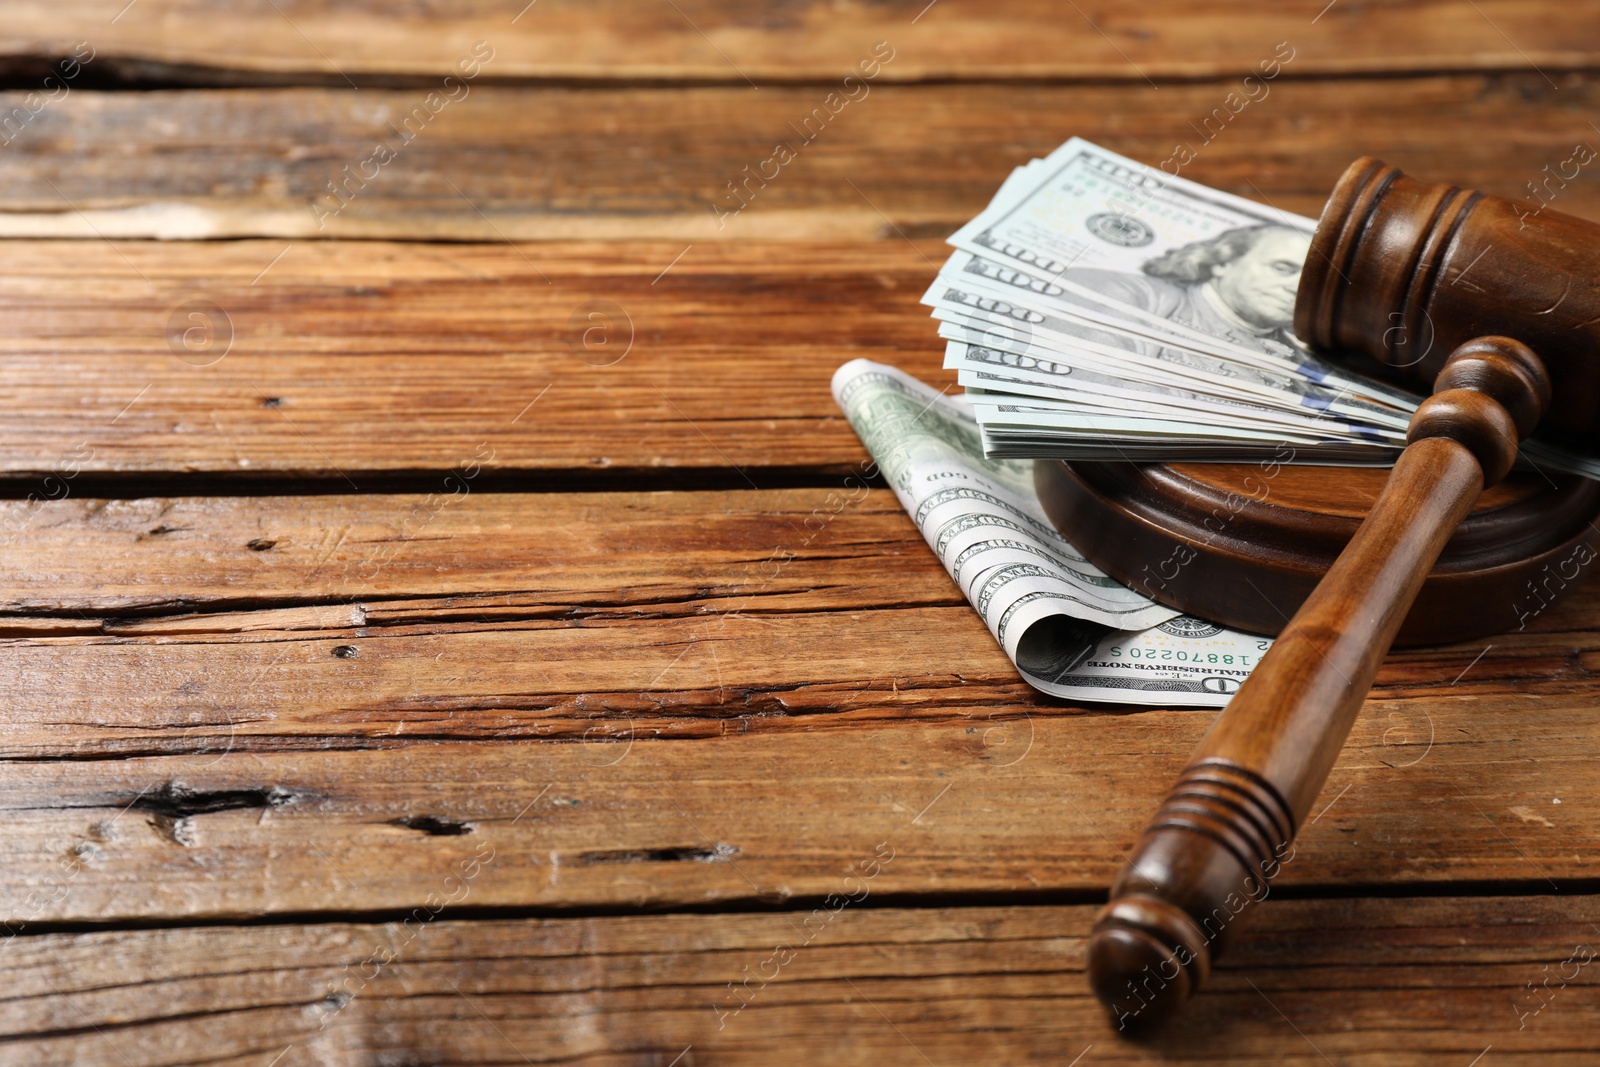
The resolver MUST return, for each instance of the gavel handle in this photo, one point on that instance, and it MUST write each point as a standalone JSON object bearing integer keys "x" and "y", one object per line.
{"x": 1227, "y": 826}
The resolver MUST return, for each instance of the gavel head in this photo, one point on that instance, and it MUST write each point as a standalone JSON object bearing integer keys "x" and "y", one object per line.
{"x": 1404, "y": 271}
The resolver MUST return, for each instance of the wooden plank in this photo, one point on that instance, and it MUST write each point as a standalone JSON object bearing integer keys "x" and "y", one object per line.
{"x": 1363, "y": 982}
{"x": 224, "y": 565}
{"x": 152, "y": 566}
{"x": 722, "y": 40}
{"x": 769, "y": 354}
{"x": 557, "y": 598}
{"x": 549, "y": 164}
{"x": 197, "y": 716}
{"x": 365, "y": 366}
{"x": 349, "y": 360}
{"x": 335, "y": 620}
{"x": 594, "y": 801}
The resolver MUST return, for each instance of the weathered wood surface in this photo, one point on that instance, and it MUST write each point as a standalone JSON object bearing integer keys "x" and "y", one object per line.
{"x": 349, "y": 359}
{"x": 314, "y": 710}
{"x": 1363, "y": 982}
{"x": 209, "y": 564}
{"x": 637, "y": 164}
{"x": 362, "y": 365}
{"x": 214, "y": 565}
{"x": 363, "y": 692}
{"x": 624, "y": 819}
{"x": 363, "y": 43}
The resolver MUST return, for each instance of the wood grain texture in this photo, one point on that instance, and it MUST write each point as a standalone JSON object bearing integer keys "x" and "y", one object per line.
{"x": 354, "y": 359}
{"x": 1369, "y": 983}
{"x": 186, "y": 564}
{"x": 210, "y": 564}
{"x": 565, "y": 164}
{"x": 357, "y": 363}
{"x": 317, "y": 40}
{"x": 247, "y": 730}
{"x": 311, "y": 712}
{"x": 574, "y": 605}
{"x": 302, "y": 781}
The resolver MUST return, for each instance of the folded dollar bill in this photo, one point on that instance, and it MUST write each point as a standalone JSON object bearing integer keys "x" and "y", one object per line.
{"x": 1071, "y": 630}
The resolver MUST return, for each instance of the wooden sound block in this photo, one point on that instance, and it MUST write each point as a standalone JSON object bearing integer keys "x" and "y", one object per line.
{"x": 1244, "y": 544}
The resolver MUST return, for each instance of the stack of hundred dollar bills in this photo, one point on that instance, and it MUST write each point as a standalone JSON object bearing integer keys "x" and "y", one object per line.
{"x": 1102, "y": 309}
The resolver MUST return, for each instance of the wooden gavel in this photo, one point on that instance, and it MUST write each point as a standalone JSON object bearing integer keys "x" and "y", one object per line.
{"x": 1428, "y": 279}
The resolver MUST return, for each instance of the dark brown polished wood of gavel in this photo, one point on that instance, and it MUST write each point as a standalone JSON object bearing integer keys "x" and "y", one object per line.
{"x": 1497, "y": 307}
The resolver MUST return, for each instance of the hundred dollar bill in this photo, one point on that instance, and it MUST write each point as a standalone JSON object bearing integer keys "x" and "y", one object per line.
{"x": 1072, "y": 630}
{"x": 1030, "y": 331}
{"x": 1022, "y": 427}
{"x": 995, "y": 370}
{"x": 1183, "y": 662}
{"x": 1035, "y": 295}
{"x": 1161, "y": 248}
{"x": 1034, "y": 344}
{"x": 1155, "y": 257}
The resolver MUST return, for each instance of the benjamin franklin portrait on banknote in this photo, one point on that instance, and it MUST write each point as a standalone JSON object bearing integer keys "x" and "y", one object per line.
{"x": 1238, "y": 285}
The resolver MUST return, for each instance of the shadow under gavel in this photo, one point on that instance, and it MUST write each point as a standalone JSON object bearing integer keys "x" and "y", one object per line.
{"x": 1384, "y": 279}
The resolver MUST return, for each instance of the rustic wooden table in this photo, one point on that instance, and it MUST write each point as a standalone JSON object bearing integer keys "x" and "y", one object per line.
{"x": 438, "y": 624}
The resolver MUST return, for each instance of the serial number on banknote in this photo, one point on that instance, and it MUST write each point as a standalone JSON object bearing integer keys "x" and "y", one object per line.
{"x": 1181, "y": 656}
